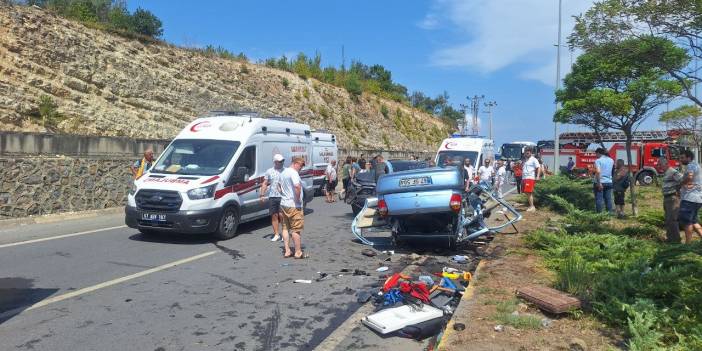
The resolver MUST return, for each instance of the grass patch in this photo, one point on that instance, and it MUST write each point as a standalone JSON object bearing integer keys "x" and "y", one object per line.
{"x": 505, "y": 315}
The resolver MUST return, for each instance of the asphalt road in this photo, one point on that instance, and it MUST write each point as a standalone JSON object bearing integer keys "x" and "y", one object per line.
{"x": 93, "y": 284}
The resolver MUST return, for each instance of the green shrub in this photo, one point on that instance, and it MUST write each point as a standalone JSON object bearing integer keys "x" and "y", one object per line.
{"x": 47, "y": 113}
{"x": 306, "y": 93}
{"x": 655, "y": 218}
{"x": 353, "y": 86}
{"x": 576, "y": 192}
{"x": 286, "y": 83}
{"x": 384, "y": 111}
{"x": 573, "y": 277}
{"x": 244, "y": 68}
{"x": 324, "y": 112}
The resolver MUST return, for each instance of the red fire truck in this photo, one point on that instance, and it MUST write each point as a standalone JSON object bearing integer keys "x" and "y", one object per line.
{"x": 646, "y": 149}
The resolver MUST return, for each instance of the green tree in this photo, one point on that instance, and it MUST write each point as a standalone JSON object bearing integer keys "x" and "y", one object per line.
{"x": 686, "y": 118}
{"x": 118, "y": 17}
{"x": 620, "y": 84}
{"x": 677, "y": 20}
{"x": 146, "y": 23}
{"x": 353, "y": 85}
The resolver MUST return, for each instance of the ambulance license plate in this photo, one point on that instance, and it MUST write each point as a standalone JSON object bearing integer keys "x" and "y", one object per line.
{"x": 153, "y": 217}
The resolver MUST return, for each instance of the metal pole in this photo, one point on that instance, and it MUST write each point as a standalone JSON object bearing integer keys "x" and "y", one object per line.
{"x": 556, "y": 142}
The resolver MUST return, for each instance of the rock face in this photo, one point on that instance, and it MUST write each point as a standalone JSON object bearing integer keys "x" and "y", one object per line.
{"x": 105, "y": 84}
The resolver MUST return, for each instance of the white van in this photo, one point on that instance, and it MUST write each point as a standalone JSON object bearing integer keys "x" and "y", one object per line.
{"x": 209, "y": 177}
{"x": 456, "y": 149}
{"x": 324, "y": 150}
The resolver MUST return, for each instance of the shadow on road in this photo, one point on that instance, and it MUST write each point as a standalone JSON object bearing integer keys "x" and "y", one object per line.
{"x": 17, "y": 294}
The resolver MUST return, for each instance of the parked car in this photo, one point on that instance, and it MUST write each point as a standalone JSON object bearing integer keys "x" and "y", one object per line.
{"x": 363, "y": 186}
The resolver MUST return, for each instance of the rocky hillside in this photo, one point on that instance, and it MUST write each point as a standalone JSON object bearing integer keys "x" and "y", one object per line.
{"x": 104, "y": 84}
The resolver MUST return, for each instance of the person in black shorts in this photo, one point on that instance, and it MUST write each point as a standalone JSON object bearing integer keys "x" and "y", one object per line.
{"x": 330, "y": 180}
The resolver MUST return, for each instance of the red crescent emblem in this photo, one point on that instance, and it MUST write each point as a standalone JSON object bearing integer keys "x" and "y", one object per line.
{"x": 449, "y": 145}
{"x": 198, "y": 126}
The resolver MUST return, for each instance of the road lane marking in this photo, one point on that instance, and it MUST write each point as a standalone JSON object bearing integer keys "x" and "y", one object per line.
{"x": 61, "y": 236}
{"x": 106, "y": 284}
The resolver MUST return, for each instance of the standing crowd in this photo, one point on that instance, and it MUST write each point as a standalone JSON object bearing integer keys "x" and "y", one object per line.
{"x": 682, "y": 192}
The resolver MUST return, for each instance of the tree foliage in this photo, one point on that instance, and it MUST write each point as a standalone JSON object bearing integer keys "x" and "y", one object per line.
{"x": 686, "y": 118}
{"x": 359, "y": 78}
{"x": 679, "y": 21}
{"x": 619, "y": 84}
{"x": 112, "y": 14}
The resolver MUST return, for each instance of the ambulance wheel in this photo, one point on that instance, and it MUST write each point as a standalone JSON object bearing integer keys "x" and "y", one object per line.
{"x": 228, "y": 224}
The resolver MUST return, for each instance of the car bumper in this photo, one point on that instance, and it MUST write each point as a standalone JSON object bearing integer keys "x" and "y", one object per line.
{"x": 187, "y": 222}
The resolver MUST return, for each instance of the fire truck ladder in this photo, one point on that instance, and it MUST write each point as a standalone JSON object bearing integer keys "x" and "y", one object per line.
{"x": 587, "y": 137}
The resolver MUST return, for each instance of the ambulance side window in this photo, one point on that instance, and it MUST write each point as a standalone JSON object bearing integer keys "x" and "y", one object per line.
{"x": 246, "y": 159}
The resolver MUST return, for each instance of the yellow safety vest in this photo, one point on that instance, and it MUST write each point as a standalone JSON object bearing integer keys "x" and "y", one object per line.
{"x": 141, "y": 169}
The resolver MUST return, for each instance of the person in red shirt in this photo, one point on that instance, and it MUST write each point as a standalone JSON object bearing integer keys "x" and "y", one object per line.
{"x": 517, "y": 169}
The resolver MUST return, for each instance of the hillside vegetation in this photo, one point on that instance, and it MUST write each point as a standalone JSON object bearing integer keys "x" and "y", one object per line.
{"x": 60, "y": 75}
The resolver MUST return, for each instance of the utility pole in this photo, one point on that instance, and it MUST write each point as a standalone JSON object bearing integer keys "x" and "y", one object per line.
{"x": 464, "y": 123}
{"x": 475, "y": 109}
{"x": 556, "y": 142}
{"x": 489, "y": 106}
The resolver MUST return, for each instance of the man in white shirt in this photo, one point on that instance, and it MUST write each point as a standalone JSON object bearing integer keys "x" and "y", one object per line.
{"x": 291, "y": 207}
{"x": 470, "y": 172}
{"x": 331, "y": 181}
{"x": 270, "y": 187}
{"x": 500, "y": 178}
{"x": 531, "y": 172}
{"x": 486, "y": 172}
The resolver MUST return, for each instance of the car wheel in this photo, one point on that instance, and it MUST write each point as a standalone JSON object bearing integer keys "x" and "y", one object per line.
{"x": 228, "y": 224}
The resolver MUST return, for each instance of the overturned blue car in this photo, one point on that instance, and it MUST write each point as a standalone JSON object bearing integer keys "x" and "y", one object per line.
{"x": 431, "y": 204}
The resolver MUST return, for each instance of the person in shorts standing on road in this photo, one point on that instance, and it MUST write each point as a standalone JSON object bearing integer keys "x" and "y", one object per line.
{"x": 270, "y": 187}
{"x": 330, "y": 176}
{"x": 671, "y": 200}
{"x": 531, "y": 172}
{"x": 691, "y": 196}
{"x": 602, "y": 186}
{"x": 346, "y": 170}
{"x": 291, "y": 207}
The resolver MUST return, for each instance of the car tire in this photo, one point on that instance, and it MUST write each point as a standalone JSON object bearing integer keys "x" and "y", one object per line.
{"x": 228, "y": 224}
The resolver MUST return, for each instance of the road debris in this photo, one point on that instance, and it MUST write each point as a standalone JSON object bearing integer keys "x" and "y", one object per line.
{"x": 303, "y": 281}
{"x": 369, "y": 253}
{"x": 382, "y": 269}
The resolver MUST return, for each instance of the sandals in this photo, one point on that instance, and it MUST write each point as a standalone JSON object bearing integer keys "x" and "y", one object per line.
{"x": 301, "y": 257}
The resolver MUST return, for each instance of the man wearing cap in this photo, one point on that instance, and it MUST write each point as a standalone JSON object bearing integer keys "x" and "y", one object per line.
{"x": 291, "y": 207}
{"x": 271, "y": 187}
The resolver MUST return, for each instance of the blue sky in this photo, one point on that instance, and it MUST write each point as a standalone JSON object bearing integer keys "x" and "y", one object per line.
{"x": 503, "y": 49}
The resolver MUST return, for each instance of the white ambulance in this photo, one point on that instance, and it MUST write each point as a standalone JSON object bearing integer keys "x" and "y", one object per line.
{"x": 324, "y": 150}
{"x": 454, "y": 150}
{"x": 209, "y": 178}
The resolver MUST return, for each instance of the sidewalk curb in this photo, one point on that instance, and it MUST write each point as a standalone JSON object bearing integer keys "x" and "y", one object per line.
{"x": 58, "y": 217}
{"x": 468, "y": 295}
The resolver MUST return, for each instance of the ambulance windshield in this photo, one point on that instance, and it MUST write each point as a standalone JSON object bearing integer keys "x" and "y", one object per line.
{"x": 196, "y": 157}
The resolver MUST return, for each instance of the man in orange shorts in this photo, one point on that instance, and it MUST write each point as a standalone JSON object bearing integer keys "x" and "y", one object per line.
{"x": 291, "y": 207}
{"x": 531, "y": 172}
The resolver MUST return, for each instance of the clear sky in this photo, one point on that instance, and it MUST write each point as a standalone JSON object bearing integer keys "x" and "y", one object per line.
{"x": 503, "y": 49}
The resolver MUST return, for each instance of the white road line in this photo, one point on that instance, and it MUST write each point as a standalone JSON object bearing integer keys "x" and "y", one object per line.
{"x": 103, "y": 285}
{"x": 60, "y": 236}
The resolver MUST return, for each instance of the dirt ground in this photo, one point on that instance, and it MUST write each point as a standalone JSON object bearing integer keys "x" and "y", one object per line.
{"x": 510, "y": 264}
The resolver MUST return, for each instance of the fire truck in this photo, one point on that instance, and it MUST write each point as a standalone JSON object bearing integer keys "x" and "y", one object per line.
{"x": 647, "y": 147}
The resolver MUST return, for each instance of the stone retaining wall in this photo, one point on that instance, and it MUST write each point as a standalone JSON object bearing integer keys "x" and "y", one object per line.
{"x": 43, "y": 185}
